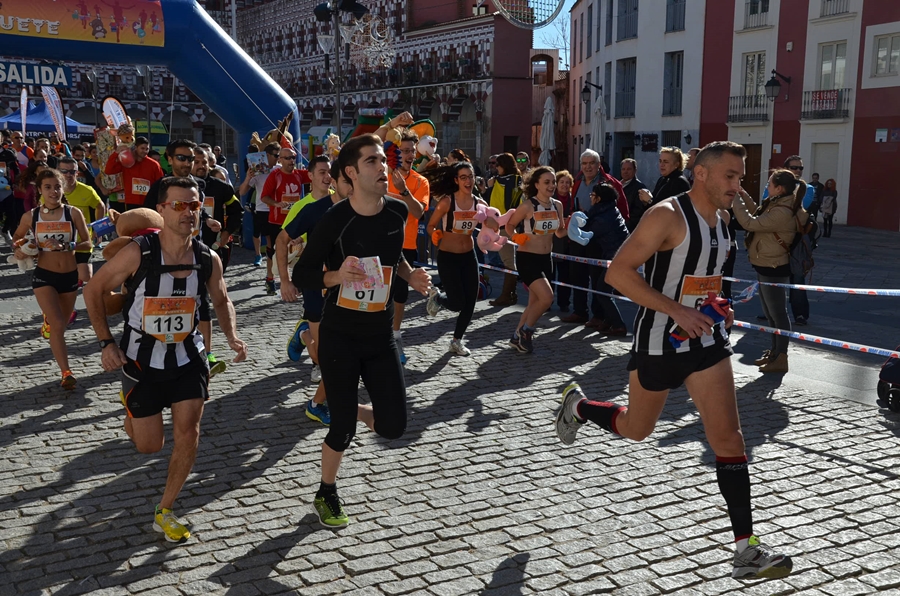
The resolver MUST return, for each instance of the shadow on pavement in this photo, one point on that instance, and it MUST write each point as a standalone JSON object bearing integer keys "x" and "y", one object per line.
{"x": 509, "y": 577}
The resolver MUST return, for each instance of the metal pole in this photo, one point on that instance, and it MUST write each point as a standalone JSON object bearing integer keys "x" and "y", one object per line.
{"x": 338, "y": 43}
{"x": 234, "y": 20}
{"x": 147, "y": 84}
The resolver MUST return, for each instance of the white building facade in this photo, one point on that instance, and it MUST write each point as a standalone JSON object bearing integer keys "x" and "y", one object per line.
{"x": 648, "y": 57}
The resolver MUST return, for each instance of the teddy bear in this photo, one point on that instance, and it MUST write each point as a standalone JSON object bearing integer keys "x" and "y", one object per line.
{"x": 27, "y": 246}
{"x": 136, "y": 222}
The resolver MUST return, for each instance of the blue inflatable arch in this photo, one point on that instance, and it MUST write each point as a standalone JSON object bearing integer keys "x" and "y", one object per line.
{"x": 195, "y": 49}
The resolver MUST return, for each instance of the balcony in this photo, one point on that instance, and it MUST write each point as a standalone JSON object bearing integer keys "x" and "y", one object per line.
{"x": 748, "y": 108}
{"x": 831, "y": 8}
{"x": 756, "y": 14}
{"x": 625, "y": 104}
{"x": 675, "y": 16}
{"x": 672, "y": 101}
{"x": 627, "y": 21}
{"x": 828, "y": 104}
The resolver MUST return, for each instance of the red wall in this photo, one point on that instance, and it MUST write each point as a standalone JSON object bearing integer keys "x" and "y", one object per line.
{"x": 786, "y": 112}
{"x": 512, "y": 86}
{"x": 873, "y": 200}
{"x": 716, "y": 80}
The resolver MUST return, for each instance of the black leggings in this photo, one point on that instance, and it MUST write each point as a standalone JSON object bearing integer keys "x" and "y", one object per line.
{"x": 344, "y": 359}
{"x": 459, "y": 278}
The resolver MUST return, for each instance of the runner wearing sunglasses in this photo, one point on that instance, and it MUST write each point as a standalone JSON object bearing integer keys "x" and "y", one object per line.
{"x": 162, "y": 354}
{"x": 180, "y": 155}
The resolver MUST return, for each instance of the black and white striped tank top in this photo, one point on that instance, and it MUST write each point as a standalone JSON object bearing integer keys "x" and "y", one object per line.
{"x": 685, "y": 274}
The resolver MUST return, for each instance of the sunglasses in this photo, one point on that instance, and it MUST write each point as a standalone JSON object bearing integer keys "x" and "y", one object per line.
{"x": 184, "y": 158}
{"x": 18, "y": 138}
{"x": 796, "y": 168}
{"x": 522, "y": 160}
{"x": 288, "y": 157}
{"x": 67, "y": 172}
{"x": 182, "y": 205}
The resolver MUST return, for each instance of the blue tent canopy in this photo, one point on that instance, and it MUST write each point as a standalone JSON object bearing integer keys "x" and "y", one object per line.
{"x": 39, "y": 120}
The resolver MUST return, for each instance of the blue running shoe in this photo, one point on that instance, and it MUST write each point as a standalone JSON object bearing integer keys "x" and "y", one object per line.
{"x": 257, "y": 261}
{"x": 296, "y": 346}
{"x": 318, "y": 412}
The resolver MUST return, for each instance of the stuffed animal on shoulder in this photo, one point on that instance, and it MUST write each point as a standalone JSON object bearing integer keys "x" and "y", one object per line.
{"x": 427, "y": 144}
{"x": 392, "y": 147}
{"x": 129, "y": 225}
{"x": 125, "y": 133}
{"x": 278, "y": 135}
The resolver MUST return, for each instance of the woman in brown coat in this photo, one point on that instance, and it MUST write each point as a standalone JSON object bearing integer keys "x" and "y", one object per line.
{"x": 770, "y": 228}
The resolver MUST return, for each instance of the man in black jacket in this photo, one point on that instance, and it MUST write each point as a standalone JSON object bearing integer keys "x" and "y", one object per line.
{"x": 632, "y": 187}
{"x": 223, "y": 210}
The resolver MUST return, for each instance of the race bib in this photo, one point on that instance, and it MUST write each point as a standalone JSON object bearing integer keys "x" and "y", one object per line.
{"x": 695, "y": 289}
{"x": 51, "y": 232}
{"x": 367, "y": 297}
{"x": 209, "y": 205}
{"x": 464, "y": 222}
{"x": 170, "y": 320}
{"x": 140, "y": 186}
{"x": 286, "y": 198}
{"x": 545, "y": 222}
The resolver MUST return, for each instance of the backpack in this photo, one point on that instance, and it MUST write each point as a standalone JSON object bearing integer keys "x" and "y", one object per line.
{"x": 150, "y": 251}
{"x": 806, "y": 240}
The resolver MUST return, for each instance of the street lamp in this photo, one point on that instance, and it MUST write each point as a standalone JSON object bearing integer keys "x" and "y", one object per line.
{"x": 586, "y": 91}
{"x": 331, "y": 11}
{"x": 773, "y": 87}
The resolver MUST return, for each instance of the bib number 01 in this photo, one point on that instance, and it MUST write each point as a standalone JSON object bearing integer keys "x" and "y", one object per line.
{"x": 367, "y": 299}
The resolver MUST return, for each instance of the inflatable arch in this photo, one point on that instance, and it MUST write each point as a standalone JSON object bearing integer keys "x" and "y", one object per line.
{"x": 177, "y": 34}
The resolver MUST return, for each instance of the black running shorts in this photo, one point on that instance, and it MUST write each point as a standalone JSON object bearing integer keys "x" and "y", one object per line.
{"x": 63, "y": 283}
{"x": 147, "y": 393}
{"x": 661, "y": 373}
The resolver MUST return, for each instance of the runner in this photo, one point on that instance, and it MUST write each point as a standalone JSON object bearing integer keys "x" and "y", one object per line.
{"x": 222, "y": 210}
{"x": 256, "y": 181}
{"x": 161, "y": 354}
{"x": 413, "y": 189}
{"x": 92, "y": 208}
{"x": 682, "y": 243}
{"x": 457, "y": 264}
{"x": 356, "y": 330}
{"x": 536, "y": 220}
{"x": 297, "y": 231}
{"x": 55, "y": 280}
{"x": 180, "y": 155}
{"x": 135, "y": 179}
{"x": 283, "y": 188}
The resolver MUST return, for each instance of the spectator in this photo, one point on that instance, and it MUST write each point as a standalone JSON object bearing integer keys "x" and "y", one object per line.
{"x": 506, "y": 194}
{"x": 44, "y": 143}
{"x": 24, "y": 153}
{"x": 689, "y": 167}
{"x": 523, "y": 162}
{"x": 671, "y": 181}
{"x": 563, "y": 194}
{"x": 632, "y": 187}
{"x": 817, "y": 187}
{"x": 798, "y": 299}
{"x": 220, "y": 157}
{"x": 828, "y": 205}
{"x": 610, "y": 232}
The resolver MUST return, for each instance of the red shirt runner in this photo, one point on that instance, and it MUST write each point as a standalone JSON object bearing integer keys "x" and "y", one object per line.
{"x": 284, "y": 188}
{"x": 137, "y": 179}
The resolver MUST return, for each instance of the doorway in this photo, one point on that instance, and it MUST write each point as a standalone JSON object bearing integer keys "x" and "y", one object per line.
{"x": 753, "y": 176}
{"x": 824, "y": 161}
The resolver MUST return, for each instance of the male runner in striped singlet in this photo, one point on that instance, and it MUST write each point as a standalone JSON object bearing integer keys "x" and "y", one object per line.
{"x": 683, "y": 243}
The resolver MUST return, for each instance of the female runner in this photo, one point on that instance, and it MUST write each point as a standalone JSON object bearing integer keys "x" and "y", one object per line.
{"x": 536, "y": 220}
{"x": 55, "y": 280}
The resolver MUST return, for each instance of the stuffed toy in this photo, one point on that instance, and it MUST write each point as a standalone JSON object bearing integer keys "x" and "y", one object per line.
{"x": 136, "y": 222}
{"x": 575, "y": 233}
{"x": 125, "y": 134}
{"x": 715, "y": 307}
{"x": 489, "y": 240}
{"x": 427, "y": 144}
{"x": 278, "y": 135}
{"x": 27, "y": 246}
{"x": 392, "y": 147}
{"x": 484, "y": 212}
{"x": 332, "y": 146}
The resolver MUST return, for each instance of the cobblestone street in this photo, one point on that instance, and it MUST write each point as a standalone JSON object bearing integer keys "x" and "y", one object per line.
{"x": 479, "y": 496}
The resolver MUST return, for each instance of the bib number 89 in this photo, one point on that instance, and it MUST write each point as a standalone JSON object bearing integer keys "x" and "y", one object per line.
{"x": 467, "y": 225}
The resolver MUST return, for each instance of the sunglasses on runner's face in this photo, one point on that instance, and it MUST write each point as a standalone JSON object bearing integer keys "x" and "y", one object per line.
{"x": 182, "y": 205}
{"x": 67, "y": 172}
{"x": 796, "y": 168}
{"x": 184, "y": 158}
{"x": 288, "y": 157}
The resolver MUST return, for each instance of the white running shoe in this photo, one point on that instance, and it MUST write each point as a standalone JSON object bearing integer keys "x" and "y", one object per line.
{"x": 316, "y": 375}
{"x": 457, "y": 347}
{"x": 566, "y": 424}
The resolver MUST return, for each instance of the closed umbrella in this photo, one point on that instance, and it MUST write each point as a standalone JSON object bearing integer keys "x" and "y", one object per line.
{"x": 548, "y": 135}
{"x": 598, "y": 122}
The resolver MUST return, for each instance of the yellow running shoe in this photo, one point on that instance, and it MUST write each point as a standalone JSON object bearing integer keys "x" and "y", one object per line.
{"x": 45, "y": 329}
{"x": 165, "y": 521}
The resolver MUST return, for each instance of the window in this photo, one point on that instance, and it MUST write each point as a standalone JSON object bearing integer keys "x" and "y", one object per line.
{"x": 539, "y": 72}
{"x": 581, "y": 39}
{"x": 578, "y": 96}
{"x": 609, "y": 21}
{"x": 832, "y": 65}
{"x": 574, "y": 41}
{"x": 607, "y": 87}
{"x": 477, "y": 10}
{"x": 756, "y": 13}
{"x": 590, "y": 30}
{"x": 671, "y": 138}
{"x": 587, "y": 104}
{"x": 887, "y": 55}
{"x": 754, "y": 74}
{"x": 675, "y": 15}
{"x": 628, "y": 20}
{"x": 598, "y": 22}
{"x": 672, "y": 80}
{"x": 626, "y": 78}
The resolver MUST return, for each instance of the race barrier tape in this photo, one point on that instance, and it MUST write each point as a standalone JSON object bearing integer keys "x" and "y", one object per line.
{"x": 811, "y": 288}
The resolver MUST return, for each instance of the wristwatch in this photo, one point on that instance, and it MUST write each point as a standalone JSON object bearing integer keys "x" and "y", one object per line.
{"x": 106, "y": 342}
{"x": 405, "y": 193}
